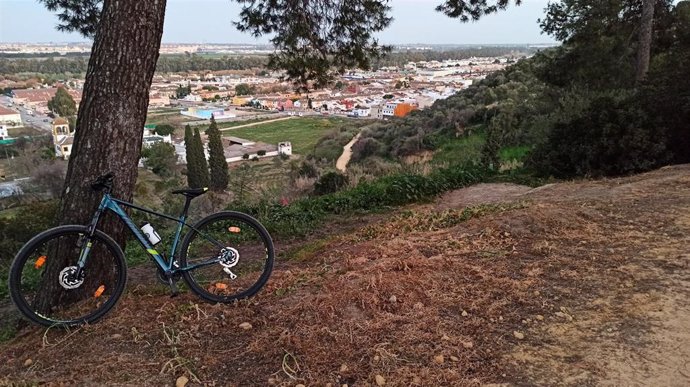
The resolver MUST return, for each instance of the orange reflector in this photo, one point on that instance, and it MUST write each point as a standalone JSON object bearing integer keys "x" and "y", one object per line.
{"x": 234, "y": 229}
{"x": 99, "y": 291}
{"x": 221, "y": 286}
{"x": 40, "y": 261}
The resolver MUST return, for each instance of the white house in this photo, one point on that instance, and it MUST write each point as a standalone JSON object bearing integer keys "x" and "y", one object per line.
{"x": 3, "y": 132}
{"x": 63, "y": 138}
{"x": 285, "y": 148}
{"x": 150, "y": 137}
{"x": 9, "y": 116}
{"x": 361, "y": 112}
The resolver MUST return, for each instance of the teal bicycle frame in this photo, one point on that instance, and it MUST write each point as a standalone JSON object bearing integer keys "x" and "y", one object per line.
{"x": 112, "y": 204}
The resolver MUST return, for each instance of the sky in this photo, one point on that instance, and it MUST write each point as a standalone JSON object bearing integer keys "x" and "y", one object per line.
{"x": 210, "y": 21}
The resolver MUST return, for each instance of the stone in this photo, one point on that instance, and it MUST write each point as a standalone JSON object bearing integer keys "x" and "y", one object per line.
{"x": 540, "y": 317}
{"x": 454, "y": 358}
{"x": 181, "y": 381}
{"x": 344, "y": 368}
{"x": 439, "y": 359}
{"x": 246, "y": 326}
{"x": 468, "y": 344}
{"x": 380, "y": 380}
{"x": 393, "y": 299}
{"x": 464, "y": 313}
{"x": 518, "y": 335}
{"x": 28, "y": 362}
{"x": 116, "y": 336}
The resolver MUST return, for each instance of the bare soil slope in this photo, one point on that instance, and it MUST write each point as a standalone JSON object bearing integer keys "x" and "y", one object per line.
{"x": 574, "y": 284}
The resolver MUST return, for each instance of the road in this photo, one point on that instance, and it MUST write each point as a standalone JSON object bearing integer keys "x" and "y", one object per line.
{"x": 36, "y": 119}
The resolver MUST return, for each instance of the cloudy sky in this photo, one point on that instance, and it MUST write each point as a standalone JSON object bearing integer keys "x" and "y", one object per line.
{"x": 210, "y": 21}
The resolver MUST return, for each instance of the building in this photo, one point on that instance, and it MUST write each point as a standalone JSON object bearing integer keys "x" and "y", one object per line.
{"x": 285, "y": 148}
{"x": 402, "y": 109}
{"x": 158, "y": 100}
{"x": 150, "y": 136}
{"x": 9, "y": 116}
{"x": 4, "y": 134}
{"x": 388, "y": 109}
{"x": 37, "y": 99}
{"x": 63, "y": 138}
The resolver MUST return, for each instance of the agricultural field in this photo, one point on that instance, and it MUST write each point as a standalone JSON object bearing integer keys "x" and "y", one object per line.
{"x": 167, "y": 116}
{"x": 304, "y": 132}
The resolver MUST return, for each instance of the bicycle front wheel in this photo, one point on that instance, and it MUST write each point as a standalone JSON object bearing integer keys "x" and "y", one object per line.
{"x": 47, "y": 287}
{"x": 229, "y": 256}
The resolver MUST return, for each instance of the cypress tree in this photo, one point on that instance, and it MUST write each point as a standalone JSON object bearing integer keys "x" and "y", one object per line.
{"x": 192, "y": 170}
{"x": 216, "y": 160}
{"x": 200, "y": 160}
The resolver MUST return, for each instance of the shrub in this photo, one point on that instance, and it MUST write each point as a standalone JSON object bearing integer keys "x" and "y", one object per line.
{"x": 245, "y": 156}
{"x": 610, "y": 137}
{"x": 330, "y": 182}
{"x": 261, "y": 153}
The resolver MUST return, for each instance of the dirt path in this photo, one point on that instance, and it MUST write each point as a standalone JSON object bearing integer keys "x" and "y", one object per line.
{"x": 574, "y": 284}
{"x": 341, "y": 164}
{"x": 256, "y": 123}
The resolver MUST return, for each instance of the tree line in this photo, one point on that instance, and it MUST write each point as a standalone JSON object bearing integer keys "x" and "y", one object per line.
{"x": 194, "y": 63}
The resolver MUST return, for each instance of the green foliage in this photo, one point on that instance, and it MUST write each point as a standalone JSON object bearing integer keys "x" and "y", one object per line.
{"x": 244, "y": 89}
{"x": 302, "y": 216}
{"x": 216, "y": 160}
{"x": 164, "y": 129}
{"x": 62, "y": 103}
{"x": 261, "y": 153}
{"x": 197, "y": 168}
{"x": 161, "y": 158}
{"x": 18, "y": 229}
{"x": 330, "y": 182}
{"x": 610, "y": 137}
{"x": 327, "y": 40}
{"x": 183, "y": 91}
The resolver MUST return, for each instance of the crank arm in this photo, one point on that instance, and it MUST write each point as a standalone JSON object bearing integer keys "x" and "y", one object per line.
{"x": 229, "y": 272}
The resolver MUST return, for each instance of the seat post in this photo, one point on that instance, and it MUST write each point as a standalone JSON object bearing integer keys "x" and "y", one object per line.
{"x": 187, "y": 201}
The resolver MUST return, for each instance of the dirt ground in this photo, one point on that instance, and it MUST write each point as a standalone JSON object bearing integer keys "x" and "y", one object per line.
{"x": 573, "y": 284}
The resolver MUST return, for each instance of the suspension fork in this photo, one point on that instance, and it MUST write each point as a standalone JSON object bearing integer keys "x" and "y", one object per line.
{"x": 91, "y": 229}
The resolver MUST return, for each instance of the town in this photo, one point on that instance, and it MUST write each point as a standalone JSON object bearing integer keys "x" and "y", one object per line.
{"x": 233, "y": 97}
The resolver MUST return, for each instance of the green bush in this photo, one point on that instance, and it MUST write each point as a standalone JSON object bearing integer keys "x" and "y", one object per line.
{"x": 610, "y": 137}
{"x": 330, "y": 182}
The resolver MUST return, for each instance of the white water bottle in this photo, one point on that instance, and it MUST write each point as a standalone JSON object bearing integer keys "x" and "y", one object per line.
{"x": 151, "y": 234}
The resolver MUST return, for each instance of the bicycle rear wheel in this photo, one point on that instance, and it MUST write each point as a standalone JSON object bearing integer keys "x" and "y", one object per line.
{"x": 233, "y": 254}
{"x": 45, "y": 286}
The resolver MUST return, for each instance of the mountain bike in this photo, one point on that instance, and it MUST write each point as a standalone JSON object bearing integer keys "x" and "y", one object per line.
{"x": 74, "y": 274}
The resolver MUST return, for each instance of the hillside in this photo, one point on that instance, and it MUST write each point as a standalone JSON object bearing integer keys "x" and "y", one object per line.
{"x": 574, "y": 284}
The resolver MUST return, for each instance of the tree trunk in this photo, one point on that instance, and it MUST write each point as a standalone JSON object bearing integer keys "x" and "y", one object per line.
{"x": 644, "y": 47}
{"x": 112, "y": 113}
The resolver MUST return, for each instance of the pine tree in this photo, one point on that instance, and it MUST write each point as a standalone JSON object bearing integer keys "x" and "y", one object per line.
{"x": 200, "y": 160}
{"x": 192, "y": 164}
{"x": 216, "y": 160}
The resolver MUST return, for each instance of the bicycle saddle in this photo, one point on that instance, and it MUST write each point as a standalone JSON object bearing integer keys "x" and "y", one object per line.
{"x": 191, "y": 192}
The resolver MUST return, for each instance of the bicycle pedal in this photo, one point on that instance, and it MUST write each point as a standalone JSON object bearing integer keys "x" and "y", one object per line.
{"x": 173, "y": 288}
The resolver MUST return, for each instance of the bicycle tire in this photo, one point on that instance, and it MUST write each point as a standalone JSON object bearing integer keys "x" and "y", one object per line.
{"x": 198, "y": 288}
{"x": 17, "y": 267}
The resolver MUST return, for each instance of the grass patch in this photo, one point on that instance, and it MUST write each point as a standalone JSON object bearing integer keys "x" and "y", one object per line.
{"x": 514, "y": 153}
{"x": 232, "y": 124}
{"x": 303, "y": 133}
{"x": 413, "y": 221}
{"x": 305, "y": 252}
{"x": 462, "y": 150}
{"x": 24, "y": 131}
